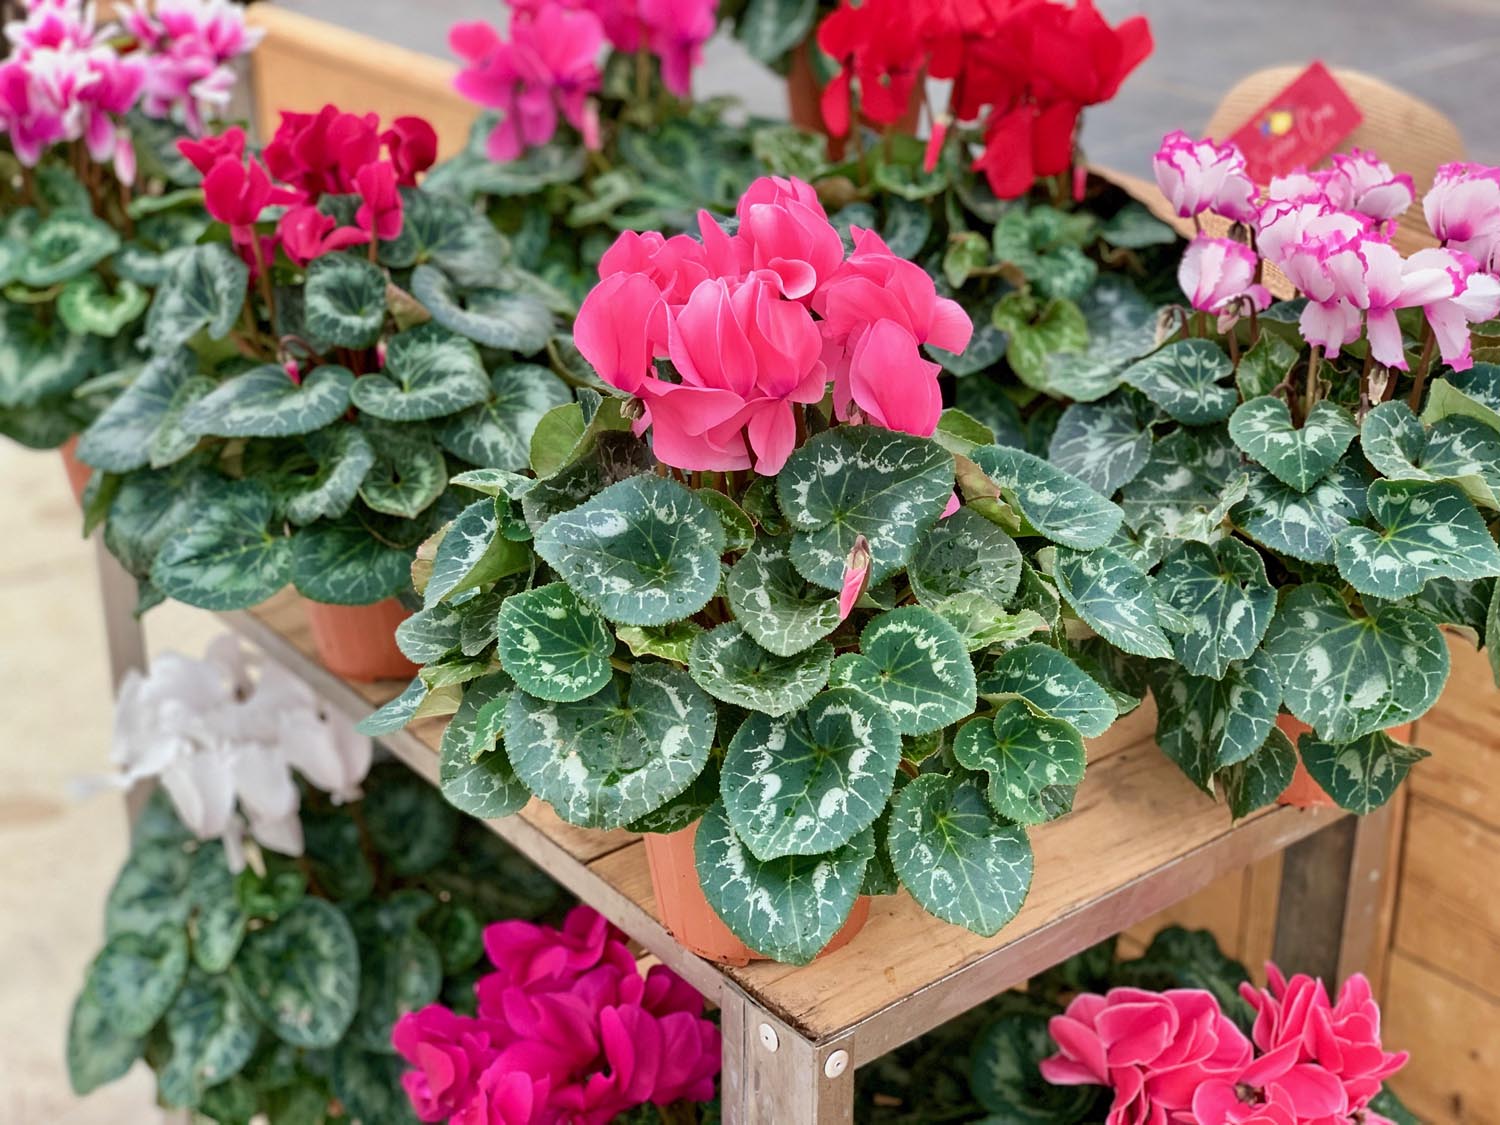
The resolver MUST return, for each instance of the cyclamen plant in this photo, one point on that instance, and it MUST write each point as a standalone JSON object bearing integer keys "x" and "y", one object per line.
{"x": 778, "y": 616}
{"x": 338, "y": 344}
{"x": 93, "y": 193}
{"x": 1304, "y": 487}
{"x": 274, "y": 993}
{"x": 566, "y": 1029}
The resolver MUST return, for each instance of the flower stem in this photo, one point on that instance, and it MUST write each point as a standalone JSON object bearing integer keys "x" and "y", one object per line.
{"x": 1429, "y": 344}
{"x": 1310, "y": 392}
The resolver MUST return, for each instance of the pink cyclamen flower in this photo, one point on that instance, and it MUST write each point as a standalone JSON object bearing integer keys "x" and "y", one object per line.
{"x": 1198, "y": 176}
{"x": 380, "y": 212}
{"x": 621, "y": 328}
{"x": 1463, "y": 211}
{"x": 448, "y": 1053}
{"x": 793, "y": 240}
{"x": 307, "y": 233}
{"x": 1218, "y": 276}
{"x": 856, "y": 576}
{"x": 1362, "y": 182}
{"x": 1471, "y": 297}
{"x": 188, "y": 47}
{"x": 677, "y": 30}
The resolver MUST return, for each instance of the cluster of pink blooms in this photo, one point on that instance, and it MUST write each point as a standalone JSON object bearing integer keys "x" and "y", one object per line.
{"x": 1175, "y": 1058}
{"x": 1330, "y": 233}
{"x": 758, "y": 323}
{"x": 312, "y": 155}
{"x": 65, "y": 80}
{"x": 549, "y": 67}
{"x": 567, "y": 1031}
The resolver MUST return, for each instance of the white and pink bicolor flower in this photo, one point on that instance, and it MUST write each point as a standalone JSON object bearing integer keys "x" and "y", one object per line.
{"x": 1463, "y": 211}
{"x": 1198, "y": 176}
{"x": 1218, "y": 276}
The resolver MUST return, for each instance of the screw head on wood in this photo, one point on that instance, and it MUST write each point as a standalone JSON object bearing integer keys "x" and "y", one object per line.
{"x": 837, "y": 1063}
{"x": 768, "y": 1038}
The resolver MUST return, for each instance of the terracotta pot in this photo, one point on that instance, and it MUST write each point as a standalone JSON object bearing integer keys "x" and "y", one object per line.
{"x": 1304, "y": 792}
{"x": 358, "y": 642}
{"x": 78, "y": 472}
{"x": 686, "y": 913}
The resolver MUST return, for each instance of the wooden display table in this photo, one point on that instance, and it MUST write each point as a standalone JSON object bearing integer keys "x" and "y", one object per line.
{"x": 1139, "y": 839}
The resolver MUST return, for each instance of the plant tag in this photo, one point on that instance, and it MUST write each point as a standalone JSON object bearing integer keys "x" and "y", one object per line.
{"x": 1299, "y": 127}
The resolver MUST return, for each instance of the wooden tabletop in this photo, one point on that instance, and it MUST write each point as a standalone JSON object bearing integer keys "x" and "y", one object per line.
{"x": 1140, "y": 838}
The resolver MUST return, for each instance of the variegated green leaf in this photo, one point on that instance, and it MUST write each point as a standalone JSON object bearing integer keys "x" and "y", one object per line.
{"x": 366, "y": 1083}
{"x": 1303, "y": 526}
{"x": 1264, "y": 366}
{"x": 1191, "y": 480}
{"x": 1133, "y": 227}
{"x": 624, "y": 752}
{"x": 1033, "y": 763}
{"x": 39, "y": 357}
{"x": 344, "y": 455}
{"x": 88, "y": 306}
{"x": 432, "y": 632}
{"x": 960, "y": 859}
{"x": 783, "y": 611}
{"x": 553, "y": 645}
{"x": 1258, "y": 780}
{"x": 1204, "y": 724}
{"x": 1474, "y": 393}
{"x": 965, "y": 554}
{"x": 1459, "y": 449}
{"x": 264, "y": 402}
{"x": 685, "y": 809}
{"x": 429, "y": 373}
{"x": 491, "y": 318}
{"x": 135, "y": 977}
{"x": 97, "y": 1052}
{"x": 497, "y": 433}
{"x": 770, "y": 29}
{"x": 1348, "y": 676}
{"x": 408, "y": 823}
{"x": 915, "y": 667}
{"x": 1299, "y": 458}
{"x": 1114, "y": 597}
{"x": 809, "y": 782}
{"x": 1430, "y": 531}
{"x": 730, "y": 666}
{"x": 473, "y": 553}
{"x": 451, "y": 235}
{"x": 171, "y": 442}
{"x": 64, "y": 245}
{"x": 1051, "y": 683}
{"x": 645, "y": 551}
{"x": 344, "y": 300}
{"x": 212, "y": 1035}
{"x": 1104, "y": 444}
{"x": 739, "y": 531}
{"x": 1186, "y": 379}
{"x": 787, "y": 909}
{"x": 1054, "y": 502}
{"x": 204, "y": 289}
{"x": 1121, "y": 327}
{"x": 1221, "y": 595}
{"x": 400, "y": 968}
{"x": 1036, "y": 335}
{"x": 861, "y": 480}
{"x": 982, "y": 624}
{"x": 408, "y": 473}
{"x": 339, "y": 562}
{"x": 1032, "y": 239}
{"x": 395, "y": 714}
{"x": 119, "y": 440}
{"x": 672, "y": 642}
{"x": 227, "y": 556}
{"x": 300, "y": 976}
{"x": 1361, "y": 775}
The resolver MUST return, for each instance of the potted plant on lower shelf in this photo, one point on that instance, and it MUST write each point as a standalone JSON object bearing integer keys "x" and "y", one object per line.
{"x": 95, "y": 198}
{"x": 802, "y": 636}
{"x": 331, "y": 350}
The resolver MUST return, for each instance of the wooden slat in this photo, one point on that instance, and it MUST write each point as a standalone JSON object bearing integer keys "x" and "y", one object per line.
{"x": 1461, "y": 731}
{"x": 1453, "y": 1077}
{"x": 1218, "y": 908}
{"x": 1449, "y": 914}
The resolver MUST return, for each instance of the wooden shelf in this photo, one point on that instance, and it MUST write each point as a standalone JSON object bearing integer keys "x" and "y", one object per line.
{"x": 1140, "y": 838}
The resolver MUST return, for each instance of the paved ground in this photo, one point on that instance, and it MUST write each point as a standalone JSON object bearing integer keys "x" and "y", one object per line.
{"x": 1440, "y": 50}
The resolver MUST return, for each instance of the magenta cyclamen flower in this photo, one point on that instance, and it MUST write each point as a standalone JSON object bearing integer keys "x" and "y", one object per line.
{"x": 1198, "y": 176}
{"x": 1463, "y": 210}
{"x": 1218, "y": 276}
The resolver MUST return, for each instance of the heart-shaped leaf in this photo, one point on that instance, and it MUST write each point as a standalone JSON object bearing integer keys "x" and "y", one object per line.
{"x": 553, "y": 645}
{"x": 1056, "y": 503}
{"x": 1474, "y": 393}
{"x": 204, "y": 289}
{"x": 429, "y": 373}
{"x": 1302, "y": 525}
{"x": 451, "y": 235}
{"x": 265, "y": 402}
{"x": 770, "y": 29}
{"x": 88, "y": 306}
{"x": 965, "y": 554}
{"x": 396, "y": 713}
{"x": 97, "y": 1053}
{"x": 1033, "y": 239}
{"x": 982, "y": 624}
{"x": 344, "y": 456}
{"x": 1191, "y": 480}
{"x": 367, "y": 1084}
{"x": 1103, "y": 444}
{"x": 1265, "y": 366}
{"x": 226, "y": 557}
{"x": 1348, "y": 676}
{"x": 497, "y": 433}
{"x": 400, "y": 969}
{"x": 787, "y": 908}
{"x": 473, "y": 552}
{"x": 960, "y": 859}
{"x": 135, "y": 977}
{"x": 218, "y": 923}
{"x": 730, "y": 666}
{"x": 1053, "y": 684}
{"x": 342, "y": 563}
{"x": 344, "y": 300}
{"x": 39, "y": 357}
{"x": 1299, "y": 459}
{"x": 624, "y": 752}
{"x": 1121, "y": 326}
{"x": 1360, "y": 775}
{"x": 915, "y": 667}
{"x": 491, "y": 318}
{"x": 1204, "y": 724}
{"x": 861, "y": 480}
{"x": 1258, "y": 780}
{"x": 1114, "y": 597}
{"x": 780, "y": 609}
{"x": 300, "y": 976}
{"x": 1036, "y": 335}
{"x": 1221, "y": 595}
{"x": 64, "y": 245}
{"x": 1431, "y": 531}
{"x": 212, "y": 1035}
{"x": 1459, "y": 449}
{"x": 1186, "y": 379}
{"x": 1034, "y": 763}
{"x": 645, "y": 551}
{"x": 172, "y": 442}
{"x": 408, "y": 473}
{"x": 119, "y": 440}
{"x": 809, "y": 782}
